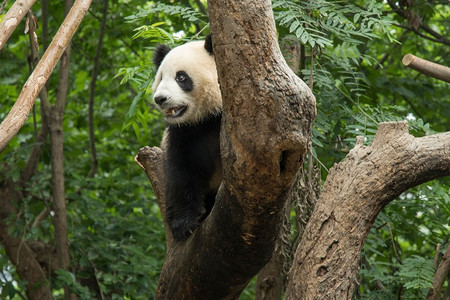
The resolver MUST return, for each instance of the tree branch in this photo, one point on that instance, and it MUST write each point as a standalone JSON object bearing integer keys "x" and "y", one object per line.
{"x": 440, "y": 276}
{"x": 94, "y": 166}
{"x": 427, "y": 67}
{"x": 19, "y": 113}
{"x": 57, "y": 161}
{"x": 356, "y": 189}
{"x": 17, "y": 250}
{"x": 35, "y": 155}
{"x": 12, "y": 18}
{"x": 415, "y": 23}
{"x": 264, "y": 137}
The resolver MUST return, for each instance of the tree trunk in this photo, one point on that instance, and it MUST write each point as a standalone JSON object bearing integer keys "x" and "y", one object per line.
{"x": 266, "y": 125}
{"x": 356, "y": 189}
{"x": 23, "y": 258}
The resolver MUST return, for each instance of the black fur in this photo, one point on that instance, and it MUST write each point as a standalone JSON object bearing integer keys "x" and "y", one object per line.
{"x": 159, "y": 54}
{"x": 208, "y": 44}
{"x": 192, "y": 157}
{"x": 184, "y": 81}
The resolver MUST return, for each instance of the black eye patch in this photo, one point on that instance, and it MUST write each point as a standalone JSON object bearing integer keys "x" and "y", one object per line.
{"x": 184, "y": 81}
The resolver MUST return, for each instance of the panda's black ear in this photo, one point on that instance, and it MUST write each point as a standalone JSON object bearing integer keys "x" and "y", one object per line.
{"x": 208, "y": 44}
{"x": 159, "y": 54}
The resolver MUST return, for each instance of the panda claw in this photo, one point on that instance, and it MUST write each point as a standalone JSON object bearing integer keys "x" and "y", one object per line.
{"x": 182, "y": 229}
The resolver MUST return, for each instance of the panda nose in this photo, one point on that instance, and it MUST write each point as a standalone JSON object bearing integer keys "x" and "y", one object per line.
{"x": 160, "y": 99}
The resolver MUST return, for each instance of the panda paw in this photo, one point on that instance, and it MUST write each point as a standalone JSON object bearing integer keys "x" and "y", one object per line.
{"x": 183, "y": 228}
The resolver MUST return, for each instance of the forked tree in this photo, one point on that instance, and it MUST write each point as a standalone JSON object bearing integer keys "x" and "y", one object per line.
{"x": 268, "y": 114}
{"x": 267, "y": 117}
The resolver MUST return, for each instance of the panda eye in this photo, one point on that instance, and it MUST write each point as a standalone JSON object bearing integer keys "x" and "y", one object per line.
{"x": 181, "y": 76}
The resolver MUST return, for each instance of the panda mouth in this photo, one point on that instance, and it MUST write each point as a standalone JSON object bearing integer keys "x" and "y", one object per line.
{"x": 175, "y": 111}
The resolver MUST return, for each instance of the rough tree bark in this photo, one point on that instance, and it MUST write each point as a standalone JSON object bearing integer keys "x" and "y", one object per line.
{"x": 266, "y": 125}
{"x": 270, "y": 281}
{"x": 356, "y": 189}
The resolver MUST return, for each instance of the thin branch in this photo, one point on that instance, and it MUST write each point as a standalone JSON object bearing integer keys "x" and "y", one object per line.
{"x": 439, "y": 277}
{"x": 120, "y": 38}
{"x": 2, "y": 7}
{"x": 437, "y": 256}
{"x": 12, "y": 18}
{"x": 437, "y": 37}
{"x": 427, "y": 67}
{"x": 19, "y": 113}
{"x": 33, "y": 160}
{"x": 92, "y": 92}
{"x": 418, "y": 33}
{"x": 57, "y": 161}
{"x": 44, "y": 23}
{"x": 41, "y": 216}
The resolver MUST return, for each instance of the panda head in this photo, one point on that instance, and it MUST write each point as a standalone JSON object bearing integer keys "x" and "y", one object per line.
{"x": 186, "y": 89}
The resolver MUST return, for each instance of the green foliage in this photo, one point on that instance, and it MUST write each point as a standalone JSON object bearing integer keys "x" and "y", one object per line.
{"x": 416, "y": 272}
{"x": 319, "y": 22}
{"x": 185, "y": 12}
{"x": 116, "y": 235}
{"x": 401, "y": 246}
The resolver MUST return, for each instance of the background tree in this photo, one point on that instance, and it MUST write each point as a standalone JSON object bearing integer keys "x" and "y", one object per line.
{"x": 358, "y": 81}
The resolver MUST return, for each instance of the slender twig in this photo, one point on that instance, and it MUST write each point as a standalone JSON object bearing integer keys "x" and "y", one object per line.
{"x": 437, "y": 37}
{"x": 92, "y": 92}
{"x": 2, "y": 7}
{"x": 35, "y": 155}
{"x": 121, "y": 39}
{"x": 393, "y": 243}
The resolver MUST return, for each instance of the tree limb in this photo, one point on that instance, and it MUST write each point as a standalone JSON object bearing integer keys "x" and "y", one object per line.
{"x": 17, "y": 250}
{"x": 19, "y": 113}
{"x": 427, "y": 67}
{"x": 57, "y": 161}
{"x": 266, "y": 125}
{"x": 12, "y": 18}
{"x": 356, "y": 189}
{"x": 440, "y": 276}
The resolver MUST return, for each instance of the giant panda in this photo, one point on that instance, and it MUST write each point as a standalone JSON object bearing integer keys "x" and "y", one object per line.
{"x": 186, "y": 91}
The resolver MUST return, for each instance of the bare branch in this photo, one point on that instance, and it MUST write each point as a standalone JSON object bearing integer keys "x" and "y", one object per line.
{"x": 92, "y": 92}
{"x": 12, "y": 18}
{"x": 427, "y": 67}
{"x": 19, "y": 113}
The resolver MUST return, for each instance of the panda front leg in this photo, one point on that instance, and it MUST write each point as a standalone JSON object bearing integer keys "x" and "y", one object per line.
{"x": 185, "y": 200}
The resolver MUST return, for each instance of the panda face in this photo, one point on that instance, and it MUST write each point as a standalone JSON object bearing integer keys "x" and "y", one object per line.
{"x": 186, "y": 90}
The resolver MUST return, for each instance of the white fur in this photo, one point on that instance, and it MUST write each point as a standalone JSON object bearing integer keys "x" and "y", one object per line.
{"x": 205, "y": 98}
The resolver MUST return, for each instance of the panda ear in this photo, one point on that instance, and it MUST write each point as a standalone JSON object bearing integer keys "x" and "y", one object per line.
{"x": 159, "y": 54}
{"x": 208, "y": 44}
